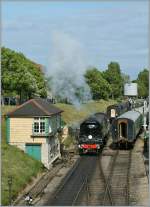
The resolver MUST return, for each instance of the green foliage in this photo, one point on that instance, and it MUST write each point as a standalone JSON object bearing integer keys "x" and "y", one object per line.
{"x": 143, "y": 83}
{"x": 21, "y": 76}
{"x": 17, "y": 164}
{"x": 20, "y": 166}
{"x": 125, "y": 77}
{"x": 69, "y": 141}
{"x": 114, "y": 77}
{"x": 100, "y": 88}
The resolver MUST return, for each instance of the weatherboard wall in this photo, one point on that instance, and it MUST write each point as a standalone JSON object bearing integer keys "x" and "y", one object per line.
{"x": 21, "y": 131}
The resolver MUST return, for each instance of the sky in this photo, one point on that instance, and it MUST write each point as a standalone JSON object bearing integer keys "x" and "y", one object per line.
{"x": 115, "y": 30}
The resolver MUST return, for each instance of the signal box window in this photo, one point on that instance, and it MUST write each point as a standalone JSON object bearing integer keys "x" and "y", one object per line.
{"x": 39, "y": 125}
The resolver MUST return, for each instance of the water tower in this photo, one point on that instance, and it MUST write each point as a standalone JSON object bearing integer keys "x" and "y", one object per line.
{"x": 130, "y": 90}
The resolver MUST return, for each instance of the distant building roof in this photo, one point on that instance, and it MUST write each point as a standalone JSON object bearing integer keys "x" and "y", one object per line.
{"x": 35, "y": 107}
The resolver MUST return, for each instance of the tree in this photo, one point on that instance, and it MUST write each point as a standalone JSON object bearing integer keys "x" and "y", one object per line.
{"x": 114, "y": 77}
{"x": 100, "y": 88}
{"x": 20, "y": 76}
{"x": 143, "y": 83}
{"x": 125, "y": 77}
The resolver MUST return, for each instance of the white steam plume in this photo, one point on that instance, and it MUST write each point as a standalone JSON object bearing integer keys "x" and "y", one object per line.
{"x": 67, "y": 68}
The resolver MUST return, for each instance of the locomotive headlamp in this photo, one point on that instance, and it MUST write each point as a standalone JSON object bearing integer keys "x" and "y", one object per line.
{"x": 90, "y": 136}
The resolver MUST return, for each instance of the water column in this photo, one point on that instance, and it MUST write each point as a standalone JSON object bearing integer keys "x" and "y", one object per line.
{"x": 145, "y": 111}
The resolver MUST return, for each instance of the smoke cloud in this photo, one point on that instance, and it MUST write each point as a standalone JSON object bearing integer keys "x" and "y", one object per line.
{"x": 67, "y": 68}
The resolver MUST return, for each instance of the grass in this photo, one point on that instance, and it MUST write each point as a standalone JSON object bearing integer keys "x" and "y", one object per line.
{"x": 72, "y": 115}
{"x": 20, "y": 166}
{"x": 17, "y": 164}
{"x": 6, "y": 109}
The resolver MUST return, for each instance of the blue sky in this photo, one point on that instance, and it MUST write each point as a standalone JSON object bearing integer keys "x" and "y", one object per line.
{"x": 107, "y": 30}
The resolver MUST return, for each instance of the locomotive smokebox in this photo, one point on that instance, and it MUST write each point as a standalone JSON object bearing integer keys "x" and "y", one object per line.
{"x": 130, "y": 89}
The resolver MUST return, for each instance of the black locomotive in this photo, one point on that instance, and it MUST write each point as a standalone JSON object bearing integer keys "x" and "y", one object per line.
{"x": 116, "y": 110}
{"x": 93, "y": 133}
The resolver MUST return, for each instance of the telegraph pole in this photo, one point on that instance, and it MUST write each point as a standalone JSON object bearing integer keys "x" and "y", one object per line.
{"x": 10, "y": 189}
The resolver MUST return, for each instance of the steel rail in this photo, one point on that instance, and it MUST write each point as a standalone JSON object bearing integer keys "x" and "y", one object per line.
{"x": 78, "y": 193}
{"x": 68, "y": 178}
{"x": 87, "y": 191}
{"x": 107, "y": 186}
{"x": 128, "y": 179}
{"x": 70, "y": 173}
{"x": 105, "y": 181}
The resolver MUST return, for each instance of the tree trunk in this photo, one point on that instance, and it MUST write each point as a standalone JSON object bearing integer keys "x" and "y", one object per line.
{"x": 20, "y": 99}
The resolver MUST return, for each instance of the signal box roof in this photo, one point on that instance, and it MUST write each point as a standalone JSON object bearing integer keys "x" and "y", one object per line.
{"x": 35, "y": 107}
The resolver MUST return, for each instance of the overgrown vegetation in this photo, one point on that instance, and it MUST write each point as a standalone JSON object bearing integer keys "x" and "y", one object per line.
{"x": 20, "y": 166}
{"x": 68, "y": 141}
{"x": 17, "y": 164}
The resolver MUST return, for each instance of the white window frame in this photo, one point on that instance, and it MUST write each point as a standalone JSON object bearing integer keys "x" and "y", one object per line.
{"x": 39, "y": 121}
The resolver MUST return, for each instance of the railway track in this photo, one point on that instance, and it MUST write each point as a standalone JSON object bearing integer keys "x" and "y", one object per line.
{"x": 102, "y": 190}
{"x": 96, "y": 191}
{"x": 88, "y": 184}
{"x": 120, "y": 181}
{"x": 72, "y": 185}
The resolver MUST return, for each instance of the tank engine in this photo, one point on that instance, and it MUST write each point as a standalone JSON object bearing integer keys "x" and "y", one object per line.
{"x": 93, "y": 133}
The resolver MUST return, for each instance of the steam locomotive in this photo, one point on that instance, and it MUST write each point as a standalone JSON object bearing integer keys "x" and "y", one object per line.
{"x": 93, "y": 133}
